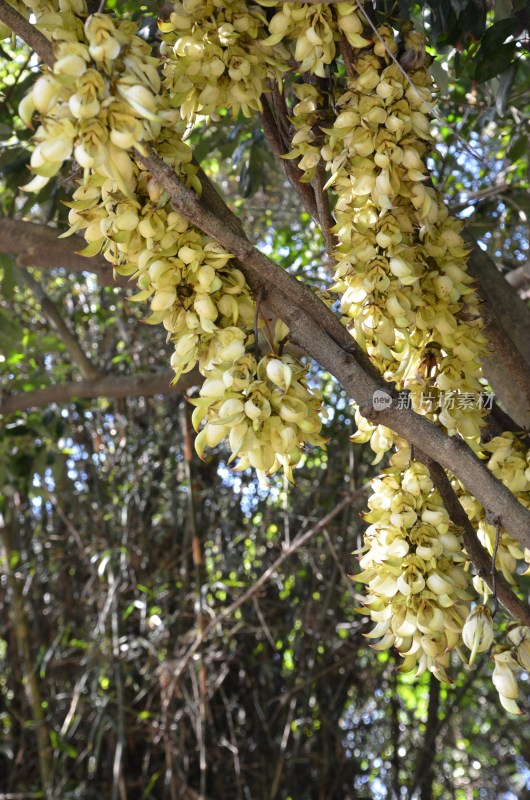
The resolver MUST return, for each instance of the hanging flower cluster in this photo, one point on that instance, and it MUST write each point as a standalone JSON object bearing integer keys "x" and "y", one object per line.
{"x": 312, "y": 31}
{"x": 509, "y": 461}
{"x": 263, "y": 419}
{"x": 215, "y": 59}
{"x": 414, "y": 569}
{"x": 510, "y": 658}
{"x": 101, "y": 103}
{"x": 401, "y": 268}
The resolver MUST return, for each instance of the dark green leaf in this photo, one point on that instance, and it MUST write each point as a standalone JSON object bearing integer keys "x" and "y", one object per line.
{"x": 495, "y": 63}
{"x": 496, "y": 35}
{"x": 10, "y": 328}
{"x": 9, "y": 276}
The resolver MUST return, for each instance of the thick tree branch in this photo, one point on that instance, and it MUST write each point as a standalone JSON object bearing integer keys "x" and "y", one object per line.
{"x": 506, "y": 369}
{"x": 37, "y": 245}
{"x": 320, "y": 333}
{"x": 144, "y": 384}
{"x": 28, "y": 32}
{"x": 476, "y": 552}
{"x": 50, "y": 311}
{"x": 507, "y": 320}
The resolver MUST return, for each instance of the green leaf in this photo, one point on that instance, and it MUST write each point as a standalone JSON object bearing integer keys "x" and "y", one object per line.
{"x": 10, "y": 329}
{"x": 496, "y": 35}
{"x": 152, "y": 781}
{"x": 495, "y": 63}
{"x": 9, "y": 279}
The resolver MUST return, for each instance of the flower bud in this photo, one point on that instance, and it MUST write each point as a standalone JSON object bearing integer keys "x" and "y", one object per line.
{"x": 477, "y": 633}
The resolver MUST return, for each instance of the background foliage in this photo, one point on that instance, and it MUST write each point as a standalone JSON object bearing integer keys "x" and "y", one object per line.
{"x": 122, "y": 547}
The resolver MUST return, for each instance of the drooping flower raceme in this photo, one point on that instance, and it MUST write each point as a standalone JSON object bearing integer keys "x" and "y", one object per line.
{"x": 102, "y": 103}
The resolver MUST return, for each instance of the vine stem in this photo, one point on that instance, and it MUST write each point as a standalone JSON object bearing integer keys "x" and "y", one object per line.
{"x": 28, "y": 32}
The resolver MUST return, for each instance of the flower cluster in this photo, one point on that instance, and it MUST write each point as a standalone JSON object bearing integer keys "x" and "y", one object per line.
{"x": 312, "y": 31}
{"x": 101, "y": 103}
{"x": 510, "y": 658}
{"x": 509, "y": 461}
{"x": 307, "y": 119}
{"x": 414, "y": 569}
{"x": 401, "y": 266}
{"x": 265, "y": 410}
{"x": 215, "y": 59}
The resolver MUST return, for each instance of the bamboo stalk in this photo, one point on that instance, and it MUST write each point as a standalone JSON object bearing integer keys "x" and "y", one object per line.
{"x": 30, "y": 679}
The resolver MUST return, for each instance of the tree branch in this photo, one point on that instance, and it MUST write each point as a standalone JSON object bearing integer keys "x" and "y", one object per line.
{"x": 315, "y": 328}
{"x": 144, "y": 384}
{"x": 50, "y": 311}
{"x": 507, "y": 320}
{"x": 325, "y": 216}
{"x": 37, "y": 245}
{"x": 303, "y": 190}
{"x": 28, "y": 32}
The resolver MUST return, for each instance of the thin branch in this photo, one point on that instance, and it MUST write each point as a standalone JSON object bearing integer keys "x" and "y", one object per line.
{"x": 346, "y": 51}
{"x": 28, "y": 32}
{"x": 144, "y": 384}
{"x": 315, "y": 328}
{"x": 6, "y": 96}
{"x": 50, "y": 311}
{"x": 476, "y": 552}
{"x": 325, "y": 216}
{"x": 25, "y": 644}
{"x": 482, "y": 194}
{"x": 303, "y": 190}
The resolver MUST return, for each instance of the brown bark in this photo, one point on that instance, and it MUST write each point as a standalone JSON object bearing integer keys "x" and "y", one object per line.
{"x": 507, "y": 326}
{"x": 145, "y": 384}
{"x": 37, "y": 245}
{"x": 28, "y": 32}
